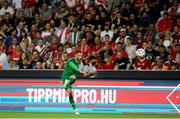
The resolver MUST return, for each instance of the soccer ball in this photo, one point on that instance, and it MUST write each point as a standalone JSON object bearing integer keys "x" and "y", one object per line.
{"x": 140, "y": 52}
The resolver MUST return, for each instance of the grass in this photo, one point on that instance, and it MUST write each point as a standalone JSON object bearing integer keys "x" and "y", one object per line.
{"x": 82, "y": 115}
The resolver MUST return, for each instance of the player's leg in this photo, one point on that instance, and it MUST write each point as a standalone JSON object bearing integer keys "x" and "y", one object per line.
{"x": 71, "y": 99}
{"x": 69, "y": 81}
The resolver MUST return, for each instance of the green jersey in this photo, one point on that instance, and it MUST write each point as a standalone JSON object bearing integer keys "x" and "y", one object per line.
{"x": 71, "y": 68}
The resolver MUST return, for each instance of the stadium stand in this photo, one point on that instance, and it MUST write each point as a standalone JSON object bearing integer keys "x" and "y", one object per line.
{"x": 43, "y": 34}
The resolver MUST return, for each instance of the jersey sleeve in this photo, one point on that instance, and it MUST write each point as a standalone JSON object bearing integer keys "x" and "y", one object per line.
{"x": 73, "y": 66}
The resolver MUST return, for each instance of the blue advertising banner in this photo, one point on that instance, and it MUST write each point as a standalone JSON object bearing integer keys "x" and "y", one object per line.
{"x": 91, "y": 96}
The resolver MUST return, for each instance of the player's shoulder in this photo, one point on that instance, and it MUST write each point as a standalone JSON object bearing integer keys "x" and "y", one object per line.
{"x": 71, "y": 59}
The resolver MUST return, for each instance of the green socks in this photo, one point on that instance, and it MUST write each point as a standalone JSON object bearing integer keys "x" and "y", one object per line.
{"x": 71, "y": 100}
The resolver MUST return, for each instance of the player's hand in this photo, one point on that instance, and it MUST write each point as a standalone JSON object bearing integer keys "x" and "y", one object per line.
{"x": 85, "y": 74}
{"x": 82, "y": 72}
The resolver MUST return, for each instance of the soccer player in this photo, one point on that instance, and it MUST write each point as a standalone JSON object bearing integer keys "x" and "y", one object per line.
{"x": 69, "y": 76}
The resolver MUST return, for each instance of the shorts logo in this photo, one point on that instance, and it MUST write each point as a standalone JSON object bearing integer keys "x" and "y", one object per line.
{"x": 174, "y": 97}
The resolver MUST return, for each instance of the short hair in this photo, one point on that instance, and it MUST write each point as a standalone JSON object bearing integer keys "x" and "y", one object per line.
{"x": 77, "y": 51}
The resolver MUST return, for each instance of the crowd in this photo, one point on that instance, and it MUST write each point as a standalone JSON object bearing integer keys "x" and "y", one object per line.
{"x": 43, "y": 34}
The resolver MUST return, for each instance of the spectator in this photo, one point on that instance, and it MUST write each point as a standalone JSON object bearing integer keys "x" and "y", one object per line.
{"x": 106, "y": 51}
{"x": 98, "y": 45}
{"x": 139, "y": 40}
{"x": 150, "y": 33}
{"x": 31, "y": 48}
{"x": 145, "y": 21}
{"x": 85, "y": 48}
{"x": 21, "y": 27}
{"x": 23, "y": 9}
{"x": 3, "y": 60}
{"x": 46, "y": 13}
{"x": 12, "y": 65}
{"x": 90, "y": 67}
{"x": 8, "y": 20}
{"x": 158, "y": 64}
{"x": 5, "y": 29}
{"x": 38, "y": 21}
{"x": 107, "y": 31}
{"x": 34, "y": 29}
{"x": 72, "y": 22}
{"x": 6, "y": 8}
{"x": 175, "y": 35}
{"x": 122, "y": 36}
{"x": 46, "y": 52}
{"x": 57, "y": 53}
{"x": 99, "y": 30}
{"x": 46, "y": 34}
{"x": 121, "y": 63}
{"x": 37, "y": 61}
{"x": 162, "y": 53}
{"x": 62, "y": 11}
{"x": 74, "y": 35}
{"x": 70, "y": 3}
{"x": 23, "y": 61}
{"x": 131, "y": 49}
{"x": 164, "y": 24}
{"x": 2, "y": 45}
{"x": 141, "y": 63}
{"x": 63, "y": 33}
{"x": 25, "y": 41}
{"x": 22, "y": 18}
{"x": 88, "y": 19}
{"x": 177, "y": 58}
{"x": 133, "y": 20}
{"x": 107, "y": 64}
{"x": 40, "y": 46}
{"x": 38, "y": 65}
{"x": 16, "y": 4}
{"x": 119, "y": 20}
{"x": 150, "y": 52}
{"x": 119, "y": 48}
{"x": 16, "y": 53}
{"x": 112, "y": 4}
{"x": 168, "y": 63}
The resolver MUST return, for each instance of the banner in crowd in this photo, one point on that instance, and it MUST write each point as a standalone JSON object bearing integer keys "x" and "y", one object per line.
{"x": 91, "y": 96}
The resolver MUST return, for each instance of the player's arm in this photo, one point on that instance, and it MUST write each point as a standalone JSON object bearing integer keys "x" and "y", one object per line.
{"x": 73, "y": 66}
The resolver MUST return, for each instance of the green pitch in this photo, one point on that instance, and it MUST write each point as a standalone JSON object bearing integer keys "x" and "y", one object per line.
{"x": 82, "y": 115}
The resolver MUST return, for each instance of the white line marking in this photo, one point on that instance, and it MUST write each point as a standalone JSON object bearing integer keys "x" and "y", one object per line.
{"x": 171, "y": 101}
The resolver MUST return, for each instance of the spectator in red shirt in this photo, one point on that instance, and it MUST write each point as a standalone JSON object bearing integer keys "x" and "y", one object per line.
{"x": 119, "y": 48}
{"x": 98, "y": 44}
{"x": 141, "y": 63}
{"x": 173, "y": 10}
{"x": 16, "y": 53}
{"x": 139, "y": 40}
{"x": 139, "y": 3}
{"x": 175, "y": 35}
{"x": 57, "y": 53}
{"x": 107, "y": 64}
{"x": 167, "y": 64}
{"x": 164, "y": 24}
{"x": 84, "y": 48}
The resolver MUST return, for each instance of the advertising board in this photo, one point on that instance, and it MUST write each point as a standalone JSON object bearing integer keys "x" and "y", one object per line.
{"x": 91, "y": 96}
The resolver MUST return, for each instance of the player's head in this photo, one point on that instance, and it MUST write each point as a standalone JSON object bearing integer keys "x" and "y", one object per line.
{"x": 78, "y": 55}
